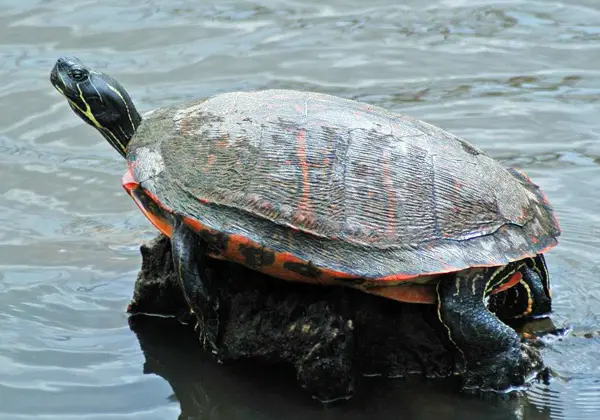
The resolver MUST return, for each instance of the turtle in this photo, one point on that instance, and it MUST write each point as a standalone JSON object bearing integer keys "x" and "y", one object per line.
{"x": 314, "y": 188}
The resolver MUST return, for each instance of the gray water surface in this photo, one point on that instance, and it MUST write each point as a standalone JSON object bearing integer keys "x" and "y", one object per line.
{"x": 520, "y": 79}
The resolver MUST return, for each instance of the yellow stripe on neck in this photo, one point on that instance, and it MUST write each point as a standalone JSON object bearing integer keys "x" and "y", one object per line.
{"x": 124, "y": 103}
{"x": 90, "y": 116}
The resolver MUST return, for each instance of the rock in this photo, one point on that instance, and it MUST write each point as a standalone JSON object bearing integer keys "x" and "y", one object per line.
{"x": 330, "y": 336}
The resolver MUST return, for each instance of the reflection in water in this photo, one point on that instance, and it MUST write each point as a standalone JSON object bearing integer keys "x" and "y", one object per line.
{"x": 205, "y": 389}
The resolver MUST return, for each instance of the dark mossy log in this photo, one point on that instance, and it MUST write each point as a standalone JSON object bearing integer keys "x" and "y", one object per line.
{"x": 330, "y": 336}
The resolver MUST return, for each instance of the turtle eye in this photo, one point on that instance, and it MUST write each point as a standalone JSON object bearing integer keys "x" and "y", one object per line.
{"x": 78, "y": 75}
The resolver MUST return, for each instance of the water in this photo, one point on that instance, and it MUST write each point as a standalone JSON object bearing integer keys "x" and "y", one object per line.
{"x": 518, "y": 78}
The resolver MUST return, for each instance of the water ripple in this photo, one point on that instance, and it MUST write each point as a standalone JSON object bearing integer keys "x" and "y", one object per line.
{"x": 518, "y": 78}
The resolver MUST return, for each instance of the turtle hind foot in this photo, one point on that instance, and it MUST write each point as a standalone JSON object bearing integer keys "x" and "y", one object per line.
{"x": 491, "y": 356}
{"x": 508, "y": 371}
{"x": 326, "y": 369}
{"x": 207, "y": 328}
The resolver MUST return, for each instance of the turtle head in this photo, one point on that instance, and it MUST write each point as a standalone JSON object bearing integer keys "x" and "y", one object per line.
{"x": 98, "y": 99}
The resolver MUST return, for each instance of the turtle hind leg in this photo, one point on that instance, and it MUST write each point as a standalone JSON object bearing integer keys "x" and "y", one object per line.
{"x": 537, "y": 279}
{"x": 189, "y": 260}
{"x": 531, "y": 297}
{"x": 491, "y": 355}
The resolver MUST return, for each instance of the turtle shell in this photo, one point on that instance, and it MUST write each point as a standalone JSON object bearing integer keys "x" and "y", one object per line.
{"x": 312, "y": 187}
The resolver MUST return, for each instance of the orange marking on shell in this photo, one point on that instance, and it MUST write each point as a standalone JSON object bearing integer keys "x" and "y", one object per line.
{"x": 197, "y": 226}
{"x": 131, "y": 186}
{"x": 265, "y": 205}
{"x": 415, "y": 293}
{"x": 254, "y": 200}
{"x": 184, "y": 126}
{"x": 298, "y": 217}
{"x": 128, "y": 181}
{"x": 543, "y": 250}
{"x": 301, "y": 153}
{"x": 221, "y": 143}
{"x": 211, "y": 159}
{"x": 457, "y": 185}
{"x": 277, "y": 267}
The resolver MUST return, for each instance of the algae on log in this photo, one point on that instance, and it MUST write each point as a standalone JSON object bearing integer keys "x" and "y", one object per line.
{"x": 330, "y": 335}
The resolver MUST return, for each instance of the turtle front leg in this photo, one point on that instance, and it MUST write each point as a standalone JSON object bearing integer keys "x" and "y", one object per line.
{"x": 189, "y": 260}
{"x": 491, "y": 355}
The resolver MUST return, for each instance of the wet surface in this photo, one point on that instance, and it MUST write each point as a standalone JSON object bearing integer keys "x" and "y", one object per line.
{"x": 519, "y": 79}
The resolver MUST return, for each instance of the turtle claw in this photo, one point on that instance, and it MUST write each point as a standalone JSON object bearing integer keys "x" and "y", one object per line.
{"x": 211, "y": 330}
{"x": 207, "y": 328}
{"x": 208, "y": 341}
{"x": 209, "y": 345}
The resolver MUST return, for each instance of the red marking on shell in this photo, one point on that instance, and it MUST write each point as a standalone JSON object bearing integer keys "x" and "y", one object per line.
{"x": 184, "y": 126}
{"x": 266, "y": 205}
{"x": 384, "y": 286}
{"x": 534, "y": 240}
{"x": 131, "y": 186}
{"x": 128, "y": 181}
{"x": 546, "y": 249}
{"x": 457, "y": 185}
{"x": 221, "y": 143}
{"x": 304, "y": 219}
{"x": 298, "y": 217}
{"x": 211, "y": 159}
{"x": 254, "y": 199}
{"x": 524, "y": 175}
{"x": 301, "y": 153}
